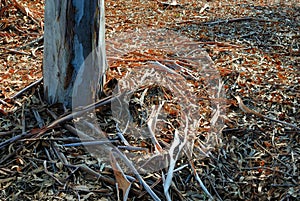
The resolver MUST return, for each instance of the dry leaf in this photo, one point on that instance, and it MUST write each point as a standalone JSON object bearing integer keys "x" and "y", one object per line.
{"x": 123, "y": 183}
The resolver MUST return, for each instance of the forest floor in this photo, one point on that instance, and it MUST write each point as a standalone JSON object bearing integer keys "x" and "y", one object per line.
{"x": 250, "y": 155}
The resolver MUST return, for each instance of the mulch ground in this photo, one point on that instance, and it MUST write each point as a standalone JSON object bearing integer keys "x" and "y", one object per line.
{"x": 253, "y": 155}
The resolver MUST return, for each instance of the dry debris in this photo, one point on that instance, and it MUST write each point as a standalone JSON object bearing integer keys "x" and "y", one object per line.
{"x": 254, "y": 153}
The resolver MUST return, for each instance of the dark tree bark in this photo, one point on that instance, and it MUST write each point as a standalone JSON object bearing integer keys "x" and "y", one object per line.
{"x": 74, "y": 49}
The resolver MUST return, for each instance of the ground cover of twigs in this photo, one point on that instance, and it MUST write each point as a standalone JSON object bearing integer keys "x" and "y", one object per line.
{"x": 253, "y": 155}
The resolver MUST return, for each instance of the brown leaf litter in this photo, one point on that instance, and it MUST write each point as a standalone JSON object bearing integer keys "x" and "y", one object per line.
{"x": 255, "y": 48}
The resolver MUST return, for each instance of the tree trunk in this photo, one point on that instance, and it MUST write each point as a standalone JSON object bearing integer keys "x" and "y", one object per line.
{"x": 74, "y": 50}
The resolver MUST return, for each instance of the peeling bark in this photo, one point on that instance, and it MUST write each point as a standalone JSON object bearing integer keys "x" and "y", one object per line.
{"x": 74, "y": 33}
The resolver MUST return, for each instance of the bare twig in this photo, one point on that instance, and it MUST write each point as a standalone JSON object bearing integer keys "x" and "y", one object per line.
{"x": 50, "y": 174}
{"x": 57, "y": 122}
{"x": 25, "y": 11}
{"x": 90, "y": 143}
{"x": 120, "y": 134}
{"x": 3, "y": 102}
{"x": 13, "y": 139}
{"x": 4, "y": 133}
{"x": 27, "y": 88}
{"x": 38, "y": 118}
{"x": 177, "y": 144}
{"x": 152, "y": 186}
{"x": 247, "y": 110}
{"x": 272, "y": 154}
{"x": 201, "y": 183}
{"x": 31, "y": 43}
{"x": 15, "y": 51}
{"x": 86, "y": 169}
{"x": 135, "y": 172}
{"x": 133, "y": 148}
{"x": 77, "y": 113}
{"x": 23, "y": 120}
{"x": 151, "y": 124}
